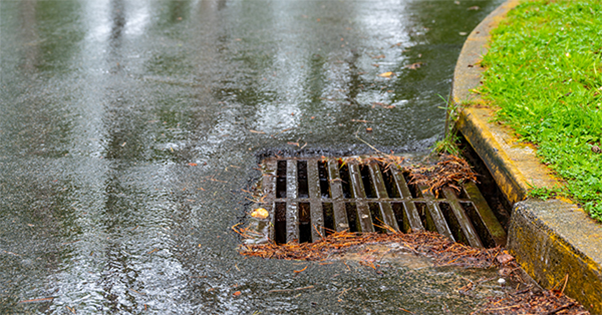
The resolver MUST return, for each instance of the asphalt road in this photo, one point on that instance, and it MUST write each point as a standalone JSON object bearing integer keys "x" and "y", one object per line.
{"x": 129, "y": 128}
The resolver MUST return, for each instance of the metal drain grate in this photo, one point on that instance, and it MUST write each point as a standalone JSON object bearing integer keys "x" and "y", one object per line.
{"x": 304, "y": 196}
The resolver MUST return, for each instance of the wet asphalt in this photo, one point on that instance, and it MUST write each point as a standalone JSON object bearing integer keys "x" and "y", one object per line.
{"x": 129, "y": 129}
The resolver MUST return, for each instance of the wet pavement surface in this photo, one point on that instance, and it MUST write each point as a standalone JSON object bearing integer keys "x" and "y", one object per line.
{"x": 129, "y": 128}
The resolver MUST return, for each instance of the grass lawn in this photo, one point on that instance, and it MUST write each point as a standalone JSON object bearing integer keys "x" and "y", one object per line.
{"x": 544, "y": 72}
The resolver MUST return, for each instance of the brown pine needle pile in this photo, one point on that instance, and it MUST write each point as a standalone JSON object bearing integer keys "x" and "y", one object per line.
{"x": 450, "y": 171}
{"x": 444, "y": 251}
{"x": 528, "y": 302}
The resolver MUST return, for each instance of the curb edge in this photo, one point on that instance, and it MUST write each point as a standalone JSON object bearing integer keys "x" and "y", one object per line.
{"x": 549, "y": 239}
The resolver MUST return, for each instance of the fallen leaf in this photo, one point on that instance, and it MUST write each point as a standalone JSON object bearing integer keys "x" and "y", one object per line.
{"x": 237, "y": 293}
{"x": 192, "y": 164}
{"x": 414, "y": 66}
{"x": 504, "y": 258}
{"x": 386, "y": 74}
{"x": 298, "y": 271}
{"x": 293, "y": 143}
{"x": 255, "y": 131}
{"x": 378, "y": 57}
{"x": 260, "y": 213}
{"x": 369, "y": 129}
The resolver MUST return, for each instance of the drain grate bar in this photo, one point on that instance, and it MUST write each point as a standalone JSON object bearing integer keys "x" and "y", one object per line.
{"x": 336, "y": 192}
{"x": 317, "y": 211}
{"x": 381, "y": 192}
{"x": 492, "y": 232}
{"x": 269, "y": 189}
{"x": 468, "y": 230}
{"x": 292, "y": 225}
{"x": 411, "y": 217}
{"x": 309, "y": 198}
{"x": 435, "y": 215}
{"x": 359, "y": 193}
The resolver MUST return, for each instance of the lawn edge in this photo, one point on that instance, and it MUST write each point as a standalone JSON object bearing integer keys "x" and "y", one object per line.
{"x": 549, "y": 239}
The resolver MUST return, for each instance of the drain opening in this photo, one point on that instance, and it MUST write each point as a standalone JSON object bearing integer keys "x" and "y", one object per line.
{"x": 324, "y": 185}
{"x": 461, "y": 194}
{"x": 389, "y": 180}
{"x": 413, "y": 189}
{"x": 400, "y": 216}
{"x": 304, "y": 222}
{"x": 345, "y": 180}
{"x": 303, "y": 189}
{"x": 280, "y": 222}
{"x": 351, "y": 210}
{"x": 328, "y": 212}
{"x": 476, "y": 220}
{"x": 425, "y": 217}
{"x": 377, "y": 218}
{"x": 281, "y": 180}
{"x": 309, "y": 198}
{"x": 367, "y": 180}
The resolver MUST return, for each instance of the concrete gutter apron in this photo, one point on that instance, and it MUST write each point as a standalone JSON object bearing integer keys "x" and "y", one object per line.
{"x": 550, "y": 239}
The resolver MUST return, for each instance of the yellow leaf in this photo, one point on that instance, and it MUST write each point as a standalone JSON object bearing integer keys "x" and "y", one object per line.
{"x": 386, "y": 74}
{"x": 260, "y": 213}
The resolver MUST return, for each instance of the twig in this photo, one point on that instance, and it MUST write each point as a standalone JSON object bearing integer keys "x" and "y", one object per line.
{"x": 566, "y": 280}
{"x": 291, "y": 290}
{"x": 564, "y": 307}
{"x": 368, "y": 144}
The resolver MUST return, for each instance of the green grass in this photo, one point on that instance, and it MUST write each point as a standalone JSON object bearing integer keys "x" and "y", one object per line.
{"x": 544, "y": 72}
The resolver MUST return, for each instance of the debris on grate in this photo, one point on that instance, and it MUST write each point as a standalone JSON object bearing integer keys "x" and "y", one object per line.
{"x": 309, "y": 198}
{"x": 444, "y": 251}
{"x": 448, "y": 172}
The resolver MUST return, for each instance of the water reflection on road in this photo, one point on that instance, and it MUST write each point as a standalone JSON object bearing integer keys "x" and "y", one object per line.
{"x": 105, "y": 105}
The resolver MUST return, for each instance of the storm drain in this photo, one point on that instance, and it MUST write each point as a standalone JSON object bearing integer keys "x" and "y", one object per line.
{"x": 308, "y": 198}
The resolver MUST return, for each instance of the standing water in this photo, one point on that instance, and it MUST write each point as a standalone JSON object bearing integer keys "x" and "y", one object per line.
{"x": 129, "y": 129}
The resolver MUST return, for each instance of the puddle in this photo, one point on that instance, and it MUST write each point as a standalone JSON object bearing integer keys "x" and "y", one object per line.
{"x": 383, "y": 254}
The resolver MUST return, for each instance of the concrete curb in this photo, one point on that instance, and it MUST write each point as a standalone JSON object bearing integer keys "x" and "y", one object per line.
{"x": 550, "y": 239}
